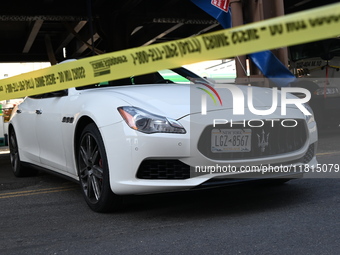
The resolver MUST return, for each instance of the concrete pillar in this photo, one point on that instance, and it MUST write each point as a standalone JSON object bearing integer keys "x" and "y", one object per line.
{"x": 240, "y": 61}
{"x": 275, "y": 8}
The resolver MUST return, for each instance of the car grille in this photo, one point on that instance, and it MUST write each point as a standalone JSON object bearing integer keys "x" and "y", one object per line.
{"x": 163, "y": 169}
{"x": 177, "y": 170}
{"x": 309, "y": 154}
{"x": 280, "y": 140}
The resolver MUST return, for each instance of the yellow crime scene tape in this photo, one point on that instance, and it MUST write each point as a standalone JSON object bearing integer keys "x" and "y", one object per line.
{"x": 297, "y": 28}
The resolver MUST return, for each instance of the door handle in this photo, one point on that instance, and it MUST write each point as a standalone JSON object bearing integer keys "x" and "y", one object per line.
{"x": 19, "y": 111}
{"x": 38, "y": 111}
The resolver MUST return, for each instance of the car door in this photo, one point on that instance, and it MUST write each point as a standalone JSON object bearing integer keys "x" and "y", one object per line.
{"x": 25, "y": 129}
{"x": 49, "y": 132}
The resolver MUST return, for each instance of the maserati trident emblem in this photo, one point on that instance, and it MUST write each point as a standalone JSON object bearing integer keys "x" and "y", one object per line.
{"x": 263, "y": 140}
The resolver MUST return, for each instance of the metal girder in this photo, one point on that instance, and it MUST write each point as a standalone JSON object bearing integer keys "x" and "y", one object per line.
{"x": 168, "y": 31}
{"x": 128, "y": 4}
{"x": 121, "y": 24}
{"x": 34, "y": 32}
{"x": 206, "y": 29}
{"x": 49, "y": 49}
{"x": 26, "y": 18}
{"x": 184, "y": 21}
{"x": 70, "y": 36}
{"x": 86, "y": 45}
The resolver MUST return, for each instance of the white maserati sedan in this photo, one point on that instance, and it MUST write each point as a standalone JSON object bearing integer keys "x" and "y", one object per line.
{"x": 166, "y": 131}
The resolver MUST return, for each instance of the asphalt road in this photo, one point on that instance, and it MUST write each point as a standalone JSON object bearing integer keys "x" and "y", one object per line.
{"x": 47, "y": 215}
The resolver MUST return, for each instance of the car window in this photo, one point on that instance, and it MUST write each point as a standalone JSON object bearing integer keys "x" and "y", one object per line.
{"x": 172, "y": 76}
{"x": 59, "y": 93}
{"x": 176, "y": 75}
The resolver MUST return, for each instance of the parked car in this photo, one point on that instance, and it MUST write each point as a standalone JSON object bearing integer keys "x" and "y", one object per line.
{"x": 148, "y": 134}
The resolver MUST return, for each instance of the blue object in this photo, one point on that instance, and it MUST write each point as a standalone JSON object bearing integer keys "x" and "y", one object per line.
{"x": 272, "y": 68}
{"x": 224, "y": 18}
{"x": 265, "y": 61}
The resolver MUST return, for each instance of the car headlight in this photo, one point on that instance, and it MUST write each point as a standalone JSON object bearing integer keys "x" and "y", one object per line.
{"x": 149, "y": 123}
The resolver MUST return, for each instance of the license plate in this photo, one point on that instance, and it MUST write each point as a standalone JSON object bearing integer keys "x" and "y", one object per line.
{"x": 230, "y": 140}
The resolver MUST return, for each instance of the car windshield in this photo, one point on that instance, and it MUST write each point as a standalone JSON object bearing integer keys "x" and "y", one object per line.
{"x": 176, "y": 75}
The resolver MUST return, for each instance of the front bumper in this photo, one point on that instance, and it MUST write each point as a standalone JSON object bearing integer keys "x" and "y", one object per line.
{"x": 128, "y": 150}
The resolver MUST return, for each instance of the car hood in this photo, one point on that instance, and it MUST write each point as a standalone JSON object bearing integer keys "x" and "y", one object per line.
{"x": 178, "y": 100}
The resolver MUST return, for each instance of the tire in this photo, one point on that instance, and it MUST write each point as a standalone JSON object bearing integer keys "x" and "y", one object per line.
{"x": 19, "y": 170}
{"x": 93, "y": 171}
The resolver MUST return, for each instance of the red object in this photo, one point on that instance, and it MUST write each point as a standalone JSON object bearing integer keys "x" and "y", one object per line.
{"x": 222, "y": 4}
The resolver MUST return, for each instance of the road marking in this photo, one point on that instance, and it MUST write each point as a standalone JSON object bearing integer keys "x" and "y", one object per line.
{"x": 37, "y": 191}
{"x": 327, "y": 153}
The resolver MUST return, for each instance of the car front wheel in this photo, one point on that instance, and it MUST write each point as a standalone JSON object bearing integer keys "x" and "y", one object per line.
{"x": 93, "y": 171}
